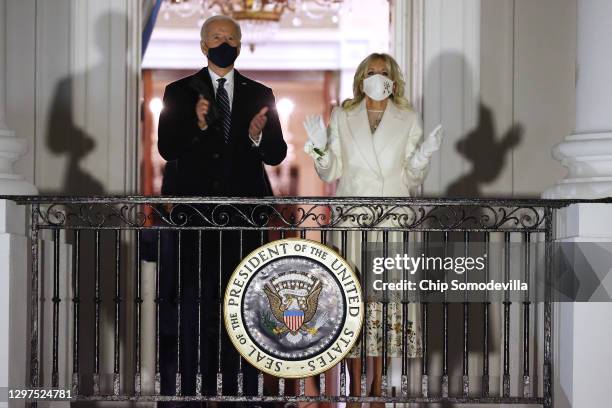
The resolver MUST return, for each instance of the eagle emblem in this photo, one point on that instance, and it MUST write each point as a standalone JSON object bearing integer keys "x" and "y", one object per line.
{"x": 293, "y": 298}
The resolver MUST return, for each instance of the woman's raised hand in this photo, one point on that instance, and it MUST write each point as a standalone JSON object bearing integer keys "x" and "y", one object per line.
{"x": 317, "y": 134}
{"x": 433, "y": 141}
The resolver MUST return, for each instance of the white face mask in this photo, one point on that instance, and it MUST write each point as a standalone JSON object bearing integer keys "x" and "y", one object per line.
{"x": 378, "y": 87}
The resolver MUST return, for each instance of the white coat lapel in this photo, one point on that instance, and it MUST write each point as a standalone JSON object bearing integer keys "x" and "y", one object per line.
{"x": 391, "y": 125}
{"x": 359, "y": 129}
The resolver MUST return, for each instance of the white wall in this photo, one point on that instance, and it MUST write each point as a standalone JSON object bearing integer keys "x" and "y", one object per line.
{"x": 520, "y": 66}
{"x": 72, "y": 90}
{"x": 499, "y": 75}
{"x": 451, "y": 65}
{"x": 540, "y": 89}
{"x": 73, "y": 71}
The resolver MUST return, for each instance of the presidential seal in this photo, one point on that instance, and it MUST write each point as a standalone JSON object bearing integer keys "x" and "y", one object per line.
{"x": 293, "y": 308}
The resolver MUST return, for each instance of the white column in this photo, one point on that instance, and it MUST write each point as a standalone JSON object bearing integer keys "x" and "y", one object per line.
{"x": 11, "y": 147}
{"x": 587, "y": 153}
{"x": 401, "y": 36}
{"x": 407, "y": 27}
{"x": 14, "y": 303}
{"x": 583, "y": 356}
{"x": 13, "y": 245}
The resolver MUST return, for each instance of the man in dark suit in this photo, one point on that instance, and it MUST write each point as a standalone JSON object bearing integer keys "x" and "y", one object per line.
{"x": 218, "y": 128}
{"x": 220, "y": 158}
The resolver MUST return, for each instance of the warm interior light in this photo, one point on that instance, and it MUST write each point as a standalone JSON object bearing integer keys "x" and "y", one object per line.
{"x": 155, "y": 106}
{"x": 285, "y": 107}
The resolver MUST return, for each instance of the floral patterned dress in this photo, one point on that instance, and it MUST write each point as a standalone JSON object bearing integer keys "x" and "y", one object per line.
{"x": 373, "y": 327}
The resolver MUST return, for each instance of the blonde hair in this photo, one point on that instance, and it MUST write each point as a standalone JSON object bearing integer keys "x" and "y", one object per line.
{"x": 395, "y": 74}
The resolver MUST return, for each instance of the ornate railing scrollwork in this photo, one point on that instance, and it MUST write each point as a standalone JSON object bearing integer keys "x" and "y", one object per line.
{"x": 295, "y": 213}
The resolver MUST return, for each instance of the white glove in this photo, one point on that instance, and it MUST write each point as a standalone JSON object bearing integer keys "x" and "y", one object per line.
{"x": 431, "y": 144}
{"x": 317, "y": 134}
{"x": 433, "y": 141}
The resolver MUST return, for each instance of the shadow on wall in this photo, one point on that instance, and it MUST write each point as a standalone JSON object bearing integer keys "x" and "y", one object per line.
{"x": 451, "y": 77}
{"x": 486, "y": 152}
{"x": 66, "y": 136}
{"x": 72, "y": 133}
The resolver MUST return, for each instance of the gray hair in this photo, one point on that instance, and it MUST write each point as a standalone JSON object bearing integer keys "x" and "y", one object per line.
{"x": 220, "y": 17}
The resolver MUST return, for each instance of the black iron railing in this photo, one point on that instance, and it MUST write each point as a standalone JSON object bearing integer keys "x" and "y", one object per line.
{"x": 104, "y": 240}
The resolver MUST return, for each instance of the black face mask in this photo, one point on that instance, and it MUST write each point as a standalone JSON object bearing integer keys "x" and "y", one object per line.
{"x": 223, "y": 55}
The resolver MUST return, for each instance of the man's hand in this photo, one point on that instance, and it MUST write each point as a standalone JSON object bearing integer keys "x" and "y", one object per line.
{"x": 258, "y": 122}
{"x": 201, "y": 110}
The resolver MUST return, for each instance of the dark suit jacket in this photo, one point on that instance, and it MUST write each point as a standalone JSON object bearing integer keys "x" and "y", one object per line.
{"x": 202, "y": 164}
{"x": 205, "y": 164}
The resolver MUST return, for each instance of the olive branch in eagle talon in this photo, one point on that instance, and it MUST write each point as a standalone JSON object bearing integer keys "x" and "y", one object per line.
{"x": 269, "y": 324}
{"x": 290, "y": 303}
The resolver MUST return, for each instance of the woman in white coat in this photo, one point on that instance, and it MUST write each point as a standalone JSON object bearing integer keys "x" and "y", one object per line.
{"x": 373, "y": 146}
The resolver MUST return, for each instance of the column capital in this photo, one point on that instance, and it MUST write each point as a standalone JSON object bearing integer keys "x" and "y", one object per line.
{"x": 11, "y": 149}
{"x": 587, "y": 154}
{"x": 588, "y": 159}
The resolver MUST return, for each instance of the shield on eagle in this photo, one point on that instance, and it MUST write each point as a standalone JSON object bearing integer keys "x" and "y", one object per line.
{"x": 293, "y": 318}
{"x": 293, "y": 297}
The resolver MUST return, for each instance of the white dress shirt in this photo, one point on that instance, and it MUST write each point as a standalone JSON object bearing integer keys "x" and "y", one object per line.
{"x": 229, "y": 84}
{"x": 229, "y": 88}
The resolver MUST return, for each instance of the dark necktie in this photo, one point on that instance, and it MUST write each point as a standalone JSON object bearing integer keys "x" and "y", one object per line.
{"x": 224, "y": 109}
